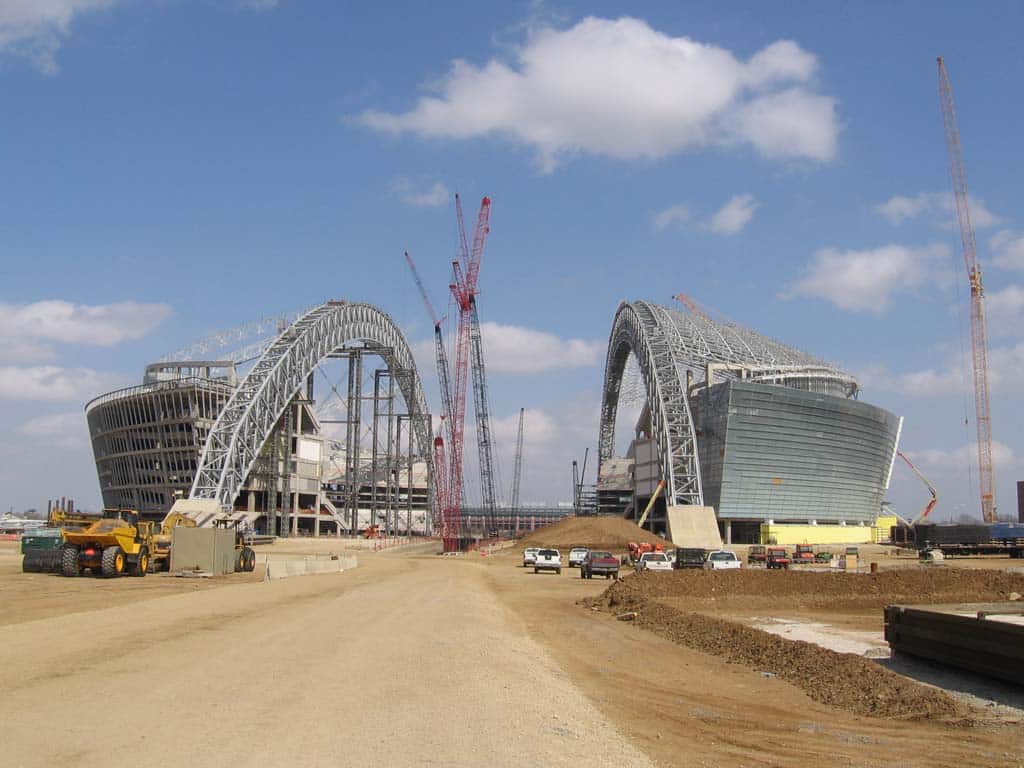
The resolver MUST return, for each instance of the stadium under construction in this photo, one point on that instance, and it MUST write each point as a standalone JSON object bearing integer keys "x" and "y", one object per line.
{"x": 738, "y": 429}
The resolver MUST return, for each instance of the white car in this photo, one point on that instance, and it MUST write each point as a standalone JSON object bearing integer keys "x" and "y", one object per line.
{"x": 653, "y": 561}
{"x": 530, "y": 556}
{"x": 722, "y": 560}
{"x": 576, "y": 556}
{"x": 548, "y": 560}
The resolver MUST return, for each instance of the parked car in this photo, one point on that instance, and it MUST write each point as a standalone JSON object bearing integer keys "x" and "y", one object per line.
{"x": 576, "y": 556}
{"x": 548, "y": 560}
{"x": 757, "y": 554}
{"x": 722, "y": 560}
{"x": 776, "y": 558}
{"x": 601, "y": 563}
{"x": 653, "y": 561}
{"x": 530, "y": 556}
{"x": 689, "y": 558}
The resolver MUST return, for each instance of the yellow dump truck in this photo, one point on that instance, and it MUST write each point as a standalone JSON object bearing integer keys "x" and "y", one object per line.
{"x": 116, "y": 544}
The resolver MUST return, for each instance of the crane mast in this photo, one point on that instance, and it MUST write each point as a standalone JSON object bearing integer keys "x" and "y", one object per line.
{"x": 484, "y": 444}
{"x": 979, "y": 341}
{"x": 519, "y": 463}
{"x": 440, "y": 356}
{"x": 463, "y": 290}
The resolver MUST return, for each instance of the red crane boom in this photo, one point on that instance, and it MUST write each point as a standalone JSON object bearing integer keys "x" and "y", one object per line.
{"x": 463, "y": 290}
{"x": 979, "y": 341}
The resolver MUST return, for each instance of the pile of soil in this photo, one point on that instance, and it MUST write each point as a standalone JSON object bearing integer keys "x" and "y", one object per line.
{"x": 842, "y": 680}
{"x": 611, "y": 533}
{"x": 795, "y": 589}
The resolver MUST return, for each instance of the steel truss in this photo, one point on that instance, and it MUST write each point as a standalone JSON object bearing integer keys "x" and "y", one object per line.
{"x": 667, "y": 343}
{"x": 245, "y": 423}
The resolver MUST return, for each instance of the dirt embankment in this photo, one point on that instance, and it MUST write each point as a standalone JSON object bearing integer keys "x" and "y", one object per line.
{"x": 795, "y": 589}
{"x": 611, "y": 533}
{"x": 669, "y": 605}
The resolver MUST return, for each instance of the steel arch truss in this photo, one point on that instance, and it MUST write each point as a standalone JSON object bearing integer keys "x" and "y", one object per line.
{"x": 236, "y": 438}
{"x": 638, "y": 329}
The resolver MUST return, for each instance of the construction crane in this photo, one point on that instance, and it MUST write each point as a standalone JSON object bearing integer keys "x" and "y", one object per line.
{"x": 931, "y": 489}
{"x": 517, "y": 476}
{"x": 481, "y": 401}
{"x": 691, "y": 305}
{"x": 441, "y": 479}
{"x": 463, "y": 288}
{"x": 979, "y": 341}
{"x": 440, "y": 353}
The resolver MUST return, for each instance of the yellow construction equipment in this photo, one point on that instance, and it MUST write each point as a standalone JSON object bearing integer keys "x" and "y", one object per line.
{"x": 245, "y": 557}
{"x": 160, "y": 554}
{"x": 115, "y": 544}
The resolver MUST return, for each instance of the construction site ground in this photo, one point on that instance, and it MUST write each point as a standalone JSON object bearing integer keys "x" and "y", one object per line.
{"x": 415, "y": 659}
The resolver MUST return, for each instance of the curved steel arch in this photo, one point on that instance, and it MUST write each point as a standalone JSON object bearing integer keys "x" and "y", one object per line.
{"x": 242, "y": 428}
{"x": 639, "y": 329}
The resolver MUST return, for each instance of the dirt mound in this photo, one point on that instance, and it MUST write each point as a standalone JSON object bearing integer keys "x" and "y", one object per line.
{"x": 837, "y": 679}
{"x": 612, "y": 533}
{"x": 814, "y": 589}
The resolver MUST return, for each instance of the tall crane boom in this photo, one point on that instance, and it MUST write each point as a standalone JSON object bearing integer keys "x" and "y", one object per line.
{"x": 927, "y": 484}
{"x": 484, "y": 444}
{"x": 463, "y": 290}
{"x": 440, "y": 352}
{"x": 979, "y": 341}
{"x": 519, "y": 463}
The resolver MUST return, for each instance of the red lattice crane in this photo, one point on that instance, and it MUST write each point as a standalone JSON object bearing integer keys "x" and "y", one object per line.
{"x": 979, "y": 341}
{"x": 464, "y": 286}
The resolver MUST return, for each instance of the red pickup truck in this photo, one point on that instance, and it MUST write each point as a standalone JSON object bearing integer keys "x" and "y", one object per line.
{"x": 601, "y": 563}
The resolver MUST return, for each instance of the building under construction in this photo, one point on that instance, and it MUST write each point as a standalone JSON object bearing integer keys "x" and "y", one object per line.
{"x": 258, "y": 442}
{"x": 739, "y": 429}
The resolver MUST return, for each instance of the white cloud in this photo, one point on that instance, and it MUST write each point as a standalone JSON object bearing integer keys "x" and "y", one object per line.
{"x": 66, "y": 430}
{"x": 621, "y": 89}
{"x": 26, "y": 330}
{"x": 257, "y": 5}
{"x": 936, "y": 205}
{"x": 1008, "y": 249}
{"x": 514, "y": 349}
{"x": 538, "y": 427}
{"x": 673, "y": 215}
{"x": 964, "y": 457}
{"x": 734, "y": 215}
{"x": 433, "y": 196}
{"x": 865, "y": 280}
{"x": 50, "y": 382}
{"x": 956, "y": 377}
{"x": 35, "y": 28}
{"x": 1004, "y": 311}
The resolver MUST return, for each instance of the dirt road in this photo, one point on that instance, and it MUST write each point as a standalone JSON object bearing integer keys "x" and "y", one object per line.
{"x": 410, "y": 659}
{"x": 402, "y": 661}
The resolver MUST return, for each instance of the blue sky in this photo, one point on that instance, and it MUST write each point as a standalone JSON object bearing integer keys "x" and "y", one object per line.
{"x": 216, "y": 161}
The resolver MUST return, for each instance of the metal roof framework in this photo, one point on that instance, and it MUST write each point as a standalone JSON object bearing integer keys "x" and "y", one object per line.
{"x": 667, "y": 343}
{"x": 245, "y": 423}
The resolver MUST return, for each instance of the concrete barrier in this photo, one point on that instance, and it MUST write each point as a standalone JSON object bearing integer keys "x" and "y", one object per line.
{"x": 285, "y": 567}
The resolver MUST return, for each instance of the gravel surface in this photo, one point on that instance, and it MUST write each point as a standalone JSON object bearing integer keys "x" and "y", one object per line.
{"x": 403, "y": 661}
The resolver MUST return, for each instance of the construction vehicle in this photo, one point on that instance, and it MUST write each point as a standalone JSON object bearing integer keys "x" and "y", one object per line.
{"x": 777, "y": 558}
{"x": 803, "y": 554}
{"x": 160, "y": 553}
{"x": 115, "y": 544}
{"x": 245, "y": 557}
{"x": 372, "y": 532}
